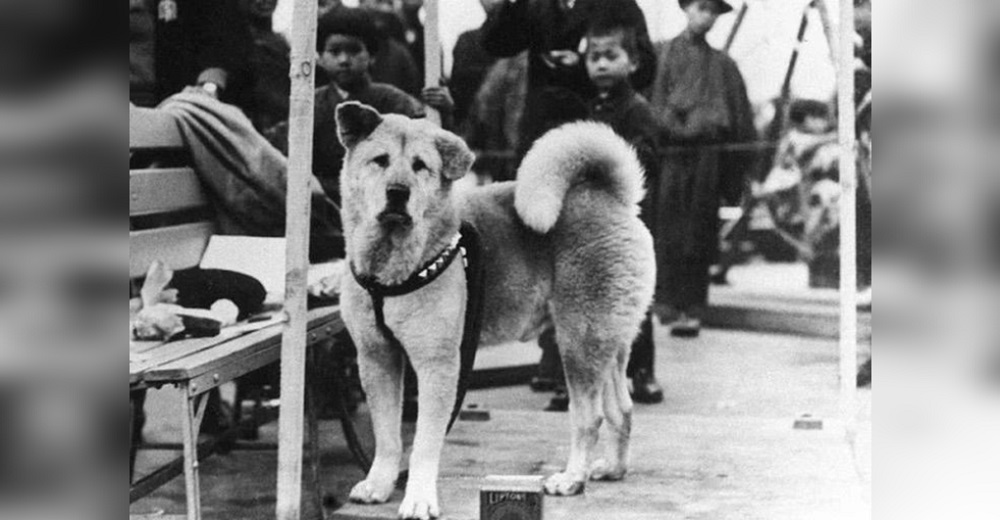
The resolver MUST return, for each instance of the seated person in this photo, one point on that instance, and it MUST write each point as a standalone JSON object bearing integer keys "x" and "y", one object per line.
{"x": 347, "y": 39}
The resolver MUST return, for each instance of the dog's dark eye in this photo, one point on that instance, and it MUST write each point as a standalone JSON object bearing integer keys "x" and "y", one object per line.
{"x": 382, "y": 161}
{"x": 419, "y": 165}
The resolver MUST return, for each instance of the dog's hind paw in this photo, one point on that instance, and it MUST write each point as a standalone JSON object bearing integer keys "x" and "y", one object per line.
{"x": 564, "y": 485}
{"x": 602, "y": 470}
{"x": 416, "y": 506}
{"x": 369, "y": 492}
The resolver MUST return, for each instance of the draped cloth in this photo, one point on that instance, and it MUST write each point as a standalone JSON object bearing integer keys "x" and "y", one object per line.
{"x": 245, "y": 176}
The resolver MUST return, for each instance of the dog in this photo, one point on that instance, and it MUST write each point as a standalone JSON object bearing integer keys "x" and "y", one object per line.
{"x": 563, "y": 246}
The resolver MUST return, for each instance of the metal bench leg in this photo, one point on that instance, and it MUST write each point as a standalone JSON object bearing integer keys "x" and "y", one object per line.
{"x": 193, "y": 408}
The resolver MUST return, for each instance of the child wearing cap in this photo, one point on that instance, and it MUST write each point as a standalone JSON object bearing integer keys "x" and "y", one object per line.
{"x": 700, "y": 99}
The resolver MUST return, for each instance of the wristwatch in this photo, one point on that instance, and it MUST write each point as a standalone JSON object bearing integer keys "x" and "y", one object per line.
{"x": 211, "y": 88}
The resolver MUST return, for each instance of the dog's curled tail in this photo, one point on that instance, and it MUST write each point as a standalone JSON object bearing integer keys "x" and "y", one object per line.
{"x": 573, "y": 154}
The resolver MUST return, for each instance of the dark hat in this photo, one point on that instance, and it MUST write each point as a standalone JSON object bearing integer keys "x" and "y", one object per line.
{"x": 348, "y": 21}
{"x": 722, "y": 6}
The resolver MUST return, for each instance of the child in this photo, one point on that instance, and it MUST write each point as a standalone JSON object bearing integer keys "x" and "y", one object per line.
{"x": 700, "y": 99}
{"x": 611, "y": 59}
{"x": 347, "y": 39}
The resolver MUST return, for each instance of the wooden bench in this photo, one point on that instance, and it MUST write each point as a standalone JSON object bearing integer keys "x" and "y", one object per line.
{"x": 171, "y": 220}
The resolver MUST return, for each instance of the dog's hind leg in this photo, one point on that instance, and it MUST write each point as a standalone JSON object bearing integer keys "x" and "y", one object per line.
{"x": 586, "y": 363}
{"x": 618, "y": 414}
{"x": 381, "y": 370}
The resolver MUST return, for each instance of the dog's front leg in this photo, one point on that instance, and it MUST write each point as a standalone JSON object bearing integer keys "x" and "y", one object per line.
{"x": 437, "y": 371}
{"x": 381, "y": 370}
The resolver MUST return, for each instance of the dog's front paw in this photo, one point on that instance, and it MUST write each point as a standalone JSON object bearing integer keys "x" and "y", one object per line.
{"x": 422, "y": 505}
{"x": 372, "y": 492}
{"x": 565, "y": 485}
{"x": 602, "y": 470}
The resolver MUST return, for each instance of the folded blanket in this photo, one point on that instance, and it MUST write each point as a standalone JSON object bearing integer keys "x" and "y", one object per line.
{"x": 245, "y": 176}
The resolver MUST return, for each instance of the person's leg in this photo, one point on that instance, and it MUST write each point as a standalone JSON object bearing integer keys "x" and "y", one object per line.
{"x": 641, "y": 367}
{"x": 550, "y": 373}
{"x": 690, "y": 297}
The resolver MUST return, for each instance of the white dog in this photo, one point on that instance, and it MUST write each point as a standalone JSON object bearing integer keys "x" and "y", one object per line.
{"x": 563, "y": 247}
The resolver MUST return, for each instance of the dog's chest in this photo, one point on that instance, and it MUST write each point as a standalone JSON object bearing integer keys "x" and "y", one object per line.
{"x": 434, "y": 314}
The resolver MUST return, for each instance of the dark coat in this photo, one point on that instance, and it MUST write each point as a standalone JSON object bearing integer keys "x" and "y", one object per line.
{"x": 557, "y": 93}
{"x": 701, "y": 101}
{"x": 204, "y": 35}
{"x": 632, "y": 117}
{"x": 470, "y": 65}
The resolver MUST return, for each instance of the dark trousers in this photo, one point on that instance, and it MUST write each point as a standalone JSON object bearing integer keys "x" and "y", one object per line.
{"x": 684, "y": 284}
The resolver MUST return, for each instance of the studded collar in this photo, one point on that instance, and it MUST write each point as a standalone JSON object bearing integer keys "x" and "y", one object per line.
{"x": 423, "y": 277}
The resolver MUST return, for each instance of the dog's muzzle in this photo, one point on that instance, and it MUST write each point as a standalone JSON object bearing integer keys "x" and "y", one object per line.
{"x": 395, "y": 214}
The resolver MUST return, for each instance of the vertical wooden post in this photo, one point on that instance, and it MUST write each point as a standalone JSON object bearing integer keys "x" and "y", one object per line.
{"x": 293, "y": 345}
{"x": 432, "y": 52}
{"x": 848, "y": 218}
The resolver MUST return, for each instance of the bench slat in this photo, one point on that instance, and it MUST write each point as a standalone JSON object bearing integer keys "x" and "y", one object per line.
{"x": 164, "y": 190}
{"x": 243, "y": 353}
{"x": 180, "y": 247}
{"x": 152, "y": 129}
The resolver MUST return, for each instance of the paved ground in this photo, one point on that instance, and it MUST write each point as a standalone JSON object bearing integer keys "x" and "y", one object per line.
{"x": 721, "y": 446}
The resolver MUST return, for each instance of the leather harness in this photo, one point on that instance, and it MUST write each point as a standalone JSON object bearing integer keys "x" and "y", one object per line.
{"x": 466, "y": 243}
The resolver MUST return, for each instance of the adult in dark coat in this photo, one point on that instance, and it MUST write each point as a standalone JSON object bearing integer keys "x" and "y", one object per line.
{"x": 701, "y": 100}
{"x": 269, "y": 64}
{"x": 552, "y": 32}
{"x": 178, "y": 43}
{"x": 470, "y": 64}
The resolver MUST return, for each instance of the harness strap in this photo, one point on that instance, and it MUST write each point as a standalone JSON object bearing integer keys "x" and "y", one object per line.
{"x": 470, "y": 246}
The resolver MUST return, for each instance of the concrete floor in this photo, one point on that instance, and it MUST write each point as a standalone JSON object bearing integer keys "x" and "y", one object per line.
{"x": 721, "y": 446}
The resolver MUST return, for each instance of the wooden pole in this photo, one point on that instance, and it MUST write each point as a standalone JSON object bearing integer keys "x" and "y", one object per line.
{"x": 432, "y": 52}
{"x": 848, "y": 219}
{"x": 740, "y": 18}
{"x": 293, "y": 344}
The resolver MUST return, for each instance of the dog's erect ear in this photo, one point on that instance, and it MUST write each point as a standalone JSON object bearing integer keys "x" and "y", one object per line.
{"x": 456, "y": 157}
{"x": 355, "y": 122}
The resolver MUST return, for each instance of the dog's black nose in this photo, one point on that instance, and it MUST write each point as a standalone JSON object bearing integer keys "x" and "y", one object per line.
{"x": 397, "y": 196}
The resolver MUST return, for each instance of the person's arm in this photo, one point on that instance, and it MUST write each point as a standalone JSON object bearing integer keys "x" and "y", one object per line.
{"x": 223, "y": 43}
{"x": 659, "y": 92}
{"x": 741, "y": 164}
{"x": 506, "y": 31}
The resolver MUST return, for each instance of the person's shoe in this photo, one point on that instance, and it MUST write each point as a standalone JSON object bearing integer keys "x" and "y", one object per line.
{"x": 686, "y": 327}
{"x": 720, "y": 277}
{"x": 645, "y": 388}
{"x": 559, "y": 402}
{"x": 542, "y": 383}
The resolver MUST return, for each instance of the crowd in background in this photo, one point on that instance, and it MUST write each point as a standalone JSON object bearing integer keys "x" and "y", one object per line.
{"x": 532, "y": 66}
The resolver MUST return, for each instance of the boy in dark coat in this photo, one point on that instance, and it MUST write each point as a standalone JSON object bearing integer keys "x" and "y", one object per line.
{"x": 552, "y": 32}
{"x": 611, "y": 58}
{"x": 701, "y": 101}
{"x": 347, "y": 40}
